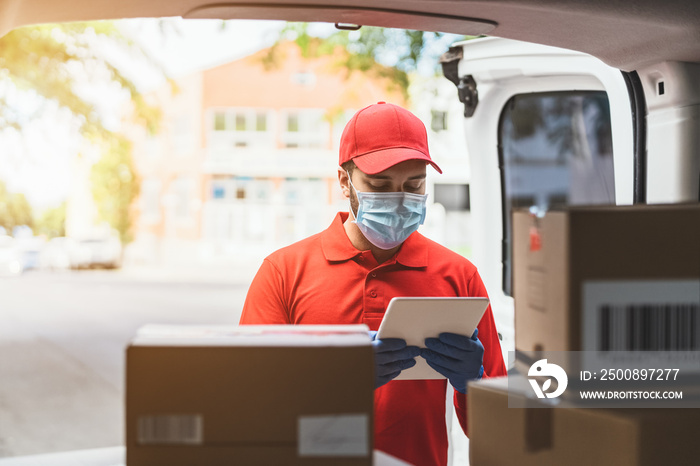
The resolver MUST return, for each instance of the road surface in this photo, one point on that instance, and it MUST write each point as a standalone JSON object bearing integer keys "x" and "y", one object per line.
{"x": 62, "y": 342}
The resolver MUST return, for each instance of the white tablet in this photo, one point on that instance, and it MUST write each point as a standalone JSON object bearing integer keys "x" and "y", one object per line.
{"x": 415, "y": 319}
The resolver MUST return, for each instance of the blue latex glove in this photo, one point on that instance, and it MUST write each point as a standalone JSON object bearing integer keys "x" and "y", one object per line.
{"x": 457, "y": 357}
{"x": 391, "y": 356}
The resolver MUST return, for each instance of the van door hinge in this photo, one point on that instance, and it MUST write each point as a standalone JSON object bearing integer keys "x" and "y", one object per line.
{"x": 466, "y": 86}
{"x": 468, "y": 94}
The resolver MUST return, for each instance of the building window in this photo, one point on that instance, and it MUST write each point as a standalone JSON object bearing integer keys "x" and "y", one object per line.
{"x": 241, "y": 122}
{"x": 306, "y": 128}
{"x": 292, "y": 192}
{"x": 260, "y": 122}
{"x": 219, "y": 121}
{"x": 438, "y": 120}
{"x": 304, "y": 78}
{"x": 263, "y": 191}
{"x": 293, "y": 123}
{"x": 218, "y": 192}
{"x": 241, "y": 128}
{"x": 223, "y": 188}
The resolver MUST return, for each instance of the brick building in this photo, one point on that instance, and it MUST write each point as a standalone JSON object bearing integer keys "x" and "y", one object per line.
{"x": 246, "y": 160}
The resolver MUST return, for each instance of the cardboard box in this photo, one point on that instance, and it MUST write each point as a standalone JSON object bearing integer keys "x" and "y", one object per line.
{"x": 253, "y": 395}
{"x": 503, "y": 436}
{"x": 584, "y": 277}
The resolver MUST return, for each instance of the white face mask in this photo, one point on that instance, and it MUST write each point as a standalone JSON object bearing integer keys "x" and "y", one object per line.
{"x": 387, "y": 219}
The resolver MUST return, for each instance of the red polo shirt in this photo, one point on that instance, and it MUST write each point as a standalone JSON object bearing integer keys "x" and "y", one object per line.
{"x": 323, "y": 279}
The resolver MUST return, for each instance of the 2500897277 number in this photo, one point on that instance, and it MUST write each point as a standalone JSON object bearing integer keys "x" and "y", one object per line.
{"x": 639, "y": 374}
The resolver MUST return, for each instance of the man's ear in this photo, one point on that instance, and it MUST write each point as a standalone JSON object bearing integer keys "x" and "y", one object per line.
{"x": 344, "y": 182}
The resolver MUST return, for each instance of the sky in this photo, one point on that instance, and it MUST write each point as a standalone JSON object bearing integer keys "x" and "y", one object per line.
{"x": 185, "y": 46}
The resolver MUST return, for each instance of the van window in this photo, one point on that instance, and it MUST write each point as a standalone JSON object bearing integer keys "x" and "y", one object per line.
{"x": 555, "y": 150}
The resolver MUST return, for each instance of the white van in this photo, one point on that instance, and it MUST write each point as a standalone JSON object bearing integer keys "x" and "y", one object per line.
{"x": 548, "y": 127}
{"x": 539, "y": 125}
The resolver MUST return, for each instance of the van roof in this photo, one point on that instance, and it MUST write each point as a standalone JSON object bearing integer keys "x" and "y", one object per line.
{"x": 627, "y": 35}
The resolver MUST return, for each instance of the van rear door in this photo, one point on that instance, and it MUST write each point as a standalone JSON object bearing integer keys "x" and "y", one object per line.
{"x": 545, "y": 128}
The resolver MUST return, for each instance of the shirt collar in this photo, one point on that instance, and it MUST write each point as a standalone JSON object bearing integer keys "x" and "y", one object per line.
{"x": 413, "y": 252}
{"x": 337, "y": 246}
{"x": 335, "y": 242}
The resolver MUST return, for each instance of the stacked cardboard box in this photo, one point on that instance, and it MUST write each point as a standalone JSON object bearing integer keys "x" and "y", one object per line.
{"x": 537, "y": 436}
{"x": 595, "y": 279}
{"x": 568, "y": 263}
{"x": 254, "y": 395}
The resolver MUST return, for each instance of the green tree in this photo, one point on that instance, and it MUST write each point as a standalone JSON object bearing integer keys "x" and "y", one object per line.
{"x": 389, "y": 53}
{"x": 51, "y": 222}
{"x": 115, "y": 186}
{"x": 14, "y": 210}
{"x": 53, "y": 63}
{"x": 4, "y": 207}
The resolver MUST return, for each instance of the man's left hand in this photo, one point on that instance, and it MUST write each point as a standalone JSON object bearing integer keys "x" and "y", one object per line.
{"x": 457, "y": 357}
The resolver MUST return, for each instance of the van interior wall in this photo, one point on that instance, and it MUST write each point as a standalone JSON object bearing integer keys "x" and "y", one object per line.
{"x": 673, "y": 120}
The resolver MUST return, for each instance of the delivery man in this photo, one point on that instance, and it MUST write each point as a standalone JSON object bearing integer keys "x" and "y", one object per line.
{"x": 348, "y": 273}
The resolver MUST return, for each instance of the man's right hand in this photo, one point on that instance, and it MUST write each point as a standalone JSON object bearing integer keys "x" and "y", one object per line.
{"x": 391, "y": 356}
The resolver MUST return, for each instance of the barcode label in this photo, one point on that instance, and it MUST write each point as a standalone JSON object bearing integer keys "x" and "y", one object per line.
{"x": 649, "y": 327}
{"x": 645, "y": 315}
{"x": 170, "y": 429}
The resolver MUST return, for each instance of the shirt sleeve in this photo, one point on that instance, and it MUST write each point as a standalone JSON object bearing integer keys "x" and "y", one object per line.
{"x": 265, "y": 302}
{"x": 494, "y": 365}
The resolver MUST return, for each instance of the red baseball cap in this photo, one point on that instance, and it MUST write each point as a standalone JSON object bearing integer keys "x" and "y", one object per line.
{"x": 382, "y": 135}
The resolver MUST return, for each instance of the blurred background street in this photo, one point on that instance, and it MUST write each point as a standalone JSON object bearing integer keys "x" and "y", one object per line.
{"x": 62, "y": 342}
{"x": 193, "y": 149}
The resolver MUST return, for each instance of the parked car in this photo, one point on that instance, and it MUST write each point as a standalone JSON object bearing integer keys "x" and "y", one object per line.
{"x": 96, "y": 253}
{"x": 71, "y": 253}
{"x": 10, "y": 257}
{"x": 30, "y": 248}
{"x": 56, "y": 254}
